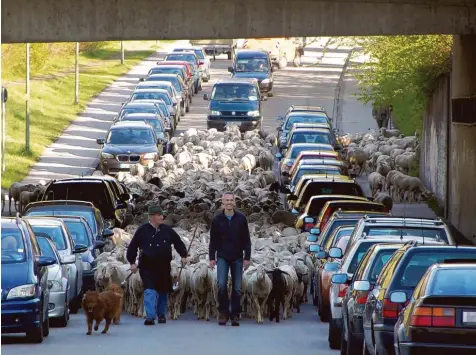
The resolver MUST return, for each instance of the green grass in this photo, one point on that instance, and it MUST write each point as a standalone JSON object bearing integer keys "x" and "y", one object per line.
{"x": 52, "y": 108}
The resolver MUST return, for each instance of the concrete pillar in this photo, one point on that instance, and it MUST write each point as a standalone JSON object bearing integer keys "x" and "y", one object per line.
{"x": 462, "y": 147}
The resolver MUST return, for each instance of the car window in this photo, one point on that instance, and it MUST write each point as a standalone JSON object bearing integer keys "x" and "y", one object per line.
{"x": 87, "y": 214}
{"x": 438, "y": 234}
{"x": 341, "y": 234}
{"x": 191, "y": 58}
{"x": 416, "y": 264}
{"x": 154, "y": 122}
{"x": 128, "y": 110}
{"x": 315, "y": 188}
{"x": 307, "y": 137}
{"x": 359, "y": 272}
{"x": 252, "y": 64}
{"x": 328, "y": 232}
{"x": 13, "y": 247}
{"x": 295, "y": 150}
{"x": 454, "y": 282}
{"x": 378, "y": 263}
{"x": 54, "y": 232}
{"x": 78, "y": 232}
{"x": 45, "y": 247}
{"x": 328, "y": 171}
{"x": 130, "y": 136}
{"x": 359, "y": 253}
{"x": 151, "y": 96}
{"x": 234, "y": 92}
{"x": 317, "y": 118}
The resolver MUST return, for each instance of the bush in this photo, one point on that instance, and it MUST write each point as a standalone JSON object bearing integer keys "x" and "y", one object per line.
{"x": 89, "y": 47}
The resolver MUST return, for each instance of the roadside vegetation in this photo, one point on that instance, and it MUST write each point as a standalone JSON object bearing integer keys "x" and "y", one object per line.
{"x": 52, "y": 84}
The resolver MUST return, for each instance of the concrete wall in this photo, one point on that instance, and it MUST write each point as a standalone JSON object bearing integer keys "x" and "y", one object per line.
{"x": 433, "y": 154}
{"x": 100, "y": 20}
{"x": 462, "y": 157}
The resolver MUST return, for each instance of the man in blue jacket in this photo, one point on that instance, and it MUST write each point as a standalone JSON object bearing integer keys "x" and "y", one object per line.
{"x": 229, "y": 240}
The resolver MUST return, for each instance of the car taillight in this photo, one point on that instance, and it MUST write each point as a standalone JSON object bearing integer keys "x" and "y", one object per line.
{"x": 390, "y": 309}
{"x": 433, "y": 317}
{"x": 342, "y": 290}
{"x": 361, "y": 297}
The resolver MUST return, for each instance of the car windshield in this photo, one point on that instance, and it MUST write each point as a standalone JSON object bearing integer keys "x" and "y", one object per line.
{"x": 165, "y": 69}
{"x": 60, "y": 210}
{"x": 378, "y": 262}
{"x": 13, "y": 248}
{"x": 182, "y": 57}
{"x": 252, "y": 65}
{"x": 163, "y": 108}
{"x": 234, "y": 92}
{"x": 151, "y": 96}
{"x": 308, "y": 137}
{"x": 154, "y": 122}
{"x": 128, "y": 110}
{"x": 130, "y": 136}
{"x": 306, "y": 119}
{"x": 175, "y": 82}
{"x": 54, "y": 232}
{"x": 158, "y": 86}
{"x": 415, "y": 266}
{"x": 329, "y": 171}
{"x": 454, "y": 282}
{"x": 438, "y": 234}
{"x": 78, "y": 232}
{"x": 45, "y": 247}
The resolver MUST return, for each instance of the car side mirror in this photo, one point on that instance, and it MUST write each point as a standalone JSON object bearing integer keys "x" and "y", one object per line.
{"x": 45, "y": 261}
{"x": 315, "y": 231}
{"x": 308, "y": 220}
{"x": 339, "y": 279}
{"x": 205, "y": 97}
{"x": 314, "y": 248}
{"x": 335, "y": 253}
{"x": 68, "y": 259}
{"x": 398, "y": 297}
{"x": 107, "y": 233}
{"x": 278, "y": 156}
{"x": 311, "y": 238}
{"x": 100, "y": 141}
{"x": 285, "y": 174}
{"x": 321, "y": 254}
{"x": 361, "y": 286}
{"x": 80, "y": 248}
{"x": 263, "y": 98}
{"x": 230, "y": 69}
{"x": 99, "y": 244}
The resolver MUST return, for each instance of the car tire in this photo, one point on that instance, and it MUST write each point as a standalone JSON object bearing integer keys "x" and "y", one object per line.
{"x": 343, "y": 345}
{"x": 46, "y": 327}
{"x": 323, "y": 314}
{"x": 196, "y": 89}
{"x": 270, "y": 94}
{"x": 35, "y": 335}
{"x": 74, "y": 305}
{"x": 229, "y": 56}
{"x": 334, "y": 336}
{"x": 353, "y": 346}
{"x": 187, "y": 108}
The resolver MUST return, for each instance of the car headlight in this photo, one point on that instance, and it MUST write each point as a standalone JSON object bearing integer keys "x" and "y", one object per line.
{"x": 215, "y": 113}
{"x": 22, "y": 291}
{"x": 265, "y": 81}
{"x": 107, "y": 155}
{"x": 149, "y": 156}
{"x": 55, "y": 286}
{"x": 253, "y": 113}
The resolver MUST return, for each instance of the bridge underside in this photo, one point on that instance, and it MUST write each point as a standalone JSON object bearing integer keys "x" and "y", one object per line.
{"x": 100, "y": 20}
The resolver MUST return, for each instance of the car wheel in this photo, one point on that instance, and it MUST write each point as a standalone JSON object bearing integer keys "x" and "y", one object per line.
{"x": 36, "y": 335}
{"x": 229, "y": 56}
{"x": 74, "y": 305}
{"x": 334, "y": 335}
{"x": 353, "y": 346}
{"x": 270, "y": 94}
{"x": 343, "y": 345}
{"x": 196, "y": 89}
{"x": 364, "y": 349}
{"x": 46, "y": 327}
{"x": 187, "y": 108}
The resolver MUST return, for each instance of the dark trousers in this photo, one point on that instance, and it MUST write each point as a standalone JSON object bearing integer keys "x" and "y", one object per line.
{"x": 236, "y": 269}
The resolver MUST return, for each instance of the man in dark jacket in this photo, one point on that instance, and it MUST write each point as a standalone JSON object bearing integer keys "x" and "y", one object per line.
{"x": 229, "y": 238}
{"x": 155, "y": 239}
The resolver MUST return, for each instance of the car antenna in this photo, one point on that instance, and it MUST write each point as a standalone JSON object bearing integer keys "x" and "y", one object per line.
{"x": 421, "y": 229}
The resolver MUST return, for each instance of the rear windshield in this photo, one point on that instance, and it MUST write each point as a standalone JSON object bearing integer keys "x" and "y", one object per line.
{"x": 128, "y": 110}
{"x": 330, "y": 188}
{"x": 317, "y": 118}
{"x": 454, "y": 282}
{"x": 342, "y": 233}
{"x": 45, "y": 247}
{"x": 78, "y": 232}
{"x": 296, "y": 150}
{"x": 415, "y": 265}
{"x": 166, "y": 70}
{"x": 154, "y": 122}
{"x": 61, "y": 210}
{"x": 191, "y": 58}
{"x": 54, "y": 232}
{"x": 328, "y": 171}
{"x": 359, "y": 254}
{"x": 160, "y": 86}
{"x": 151, "y": 96}
{"x": 438, "y": 234}
{"x": 378, "y": 262}
{"x": 311, "y": 137}
{"x": 334, "y": 225}
{"x": 13, "y": 248}
{"x": 175, "y": 82}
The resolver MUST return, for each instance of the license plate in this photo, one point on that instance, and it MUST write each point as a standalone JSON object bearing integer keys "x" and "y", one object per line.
{"x": 469, "y": 317}
{"x": 124, "y": 166}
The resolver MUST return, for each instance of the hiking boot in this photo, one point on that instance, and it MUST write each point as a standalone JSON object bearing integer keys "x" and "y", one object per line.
{"x": 149, "y": 322}
{"x": 235, "y": 321}
{"x": 222, "y": 319}
{"x": 162, "y": 320}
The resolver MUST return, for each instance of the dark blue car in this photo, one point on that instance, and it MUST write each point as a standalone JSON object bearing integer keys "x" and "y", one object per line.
{"x": 25, "y": 292}
{"x": 235, "y": 101}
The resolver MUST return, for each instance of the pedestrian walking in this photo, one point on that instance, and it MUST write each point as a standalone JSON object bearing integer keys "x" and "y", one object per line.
{"x": 154, "y": 239}
{"x": 381, "y": 114}
{"x": 229, "y": 250}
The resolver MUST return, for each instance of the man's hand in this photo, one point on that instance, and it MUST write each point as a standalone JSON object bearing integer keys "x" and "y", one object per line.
{"x": 133, "y": 268}
{"x": 246, "y": 263}
{"x": 212, "y": 264}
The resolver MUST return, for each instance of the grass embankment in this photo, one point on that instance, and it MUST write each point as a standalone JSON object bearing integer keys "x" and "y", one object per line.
{"x": 52, "y": 106}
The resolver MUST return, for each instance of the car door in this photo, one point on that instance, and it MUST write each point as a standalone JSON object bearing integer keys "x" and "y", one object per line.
{"x": 76, "y": 270}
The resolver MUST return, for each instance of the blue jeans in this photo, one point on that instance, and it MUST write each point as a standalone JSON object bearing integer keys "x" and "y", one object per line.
{"x": 236, "y": 270}
{"x": 155, "y": 304}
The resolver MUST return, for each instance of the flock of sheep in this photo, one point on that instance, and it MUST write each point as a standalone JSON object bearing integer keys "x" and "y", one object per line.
{"x": 189, "y": 185}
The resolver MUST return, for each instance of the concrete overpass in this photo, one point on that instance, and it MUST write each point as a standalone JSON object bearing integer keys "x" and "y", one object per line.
{"x": 101, "y": 20}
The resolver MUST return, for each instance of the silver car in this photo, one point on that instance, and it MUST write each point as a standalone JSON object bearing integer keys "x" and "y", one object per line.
{"x": 70, "y": 254}
{"x": 57, "y": 283}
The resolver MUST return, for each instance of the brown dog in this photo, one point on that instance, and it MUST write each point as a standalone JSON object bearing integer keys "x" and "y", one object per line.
{"x": 117, "y": 289}
{"x": 98, "y": 306}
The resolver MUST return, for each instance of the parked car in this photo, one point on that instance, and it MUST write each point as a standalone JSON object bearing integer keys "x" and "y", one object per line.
{"x": 58, "y": 283}
{"x": 298, "y": 117}
{"x": 25, "y": 291}
{"x": 189, "y": 81}
{"x": 401, "y": 273}
{"x": 169, "y": 120}
{"x": 181, "y": 95}
{"x": 127, "y": 144}
{"x": 193, "y": 59}
{"x": 204, "y": 60}
{"x": 286, "y": 161}
{"x": 236, "y": 101}
{"x": 159, "y": 94}
{"x": 56, "y": 230}
{"x": 441, "y": 314}
{"x": 142, "y": 106}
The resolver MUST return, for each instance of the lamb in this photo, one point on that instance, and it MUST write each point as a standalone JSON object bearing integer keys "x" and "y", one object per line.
{"x": 201, "y": 285}
{"x": 404, "y": 162}
{"x": 266, "y": 160}
{"x": 259, "y": 287}
{"x": 176, "y": 297}
{"x": 376, "y": 182}
{"x": 276, "y": 296}
{"x": 15, "y": 191}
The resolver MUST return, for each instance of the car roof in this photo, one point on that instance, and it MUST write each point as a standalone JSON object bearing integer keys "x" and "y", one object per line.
{"x": 173, "y": 66}
{"x": 163, "y": 75}
{"x": 459, "y": 265}
{"x": 187, "y": 52}
{"x": 140, "y": 103}
{"x": 250, "y": 52}
{"x": 237, "y": 81}
{"x": 141, "y": 115}
{"x": 188, "y": 48}
{"x": 61, "y": 202}
{"x": 304, "y": 107}
{"x": 130, "y": 124}
{"x": 149, "y": 90}
{"x": 10, "y": 222}
{"x": 352, "y": 198}
{"x": 154, "y": 83}
{"x": 326, "y": 177}
{"x": 44, "y": 221}
{"x": 317, "y": 166}
{"x": 388, "y": 221}
{"x": 297, "y": 145}
{"x": 311, "y": 130}
{"x": 304, "y": 113}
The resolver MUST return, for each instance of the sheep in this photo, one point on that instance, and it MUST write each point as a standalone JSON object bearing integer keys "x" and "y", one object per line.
{"x": 404, "y": 162}
{"x": 376, "y": 182}
{"x": 15, "y": 191}
{"x": 384, "y": 199}
{"x": 176, "y": 297}
{"x": 259, "y": 286}
{"x": 266, "y": 160}
{"x": 201, "y": 285}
